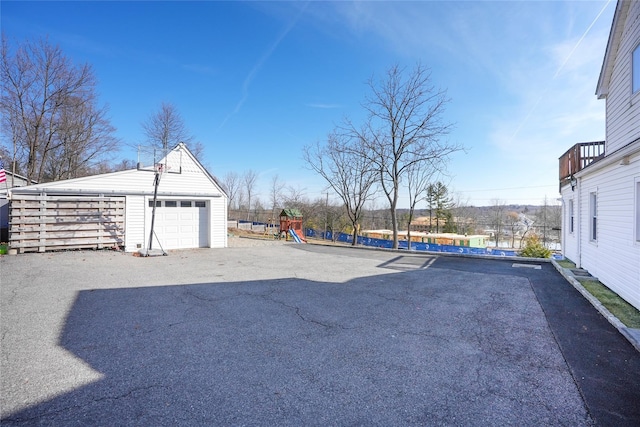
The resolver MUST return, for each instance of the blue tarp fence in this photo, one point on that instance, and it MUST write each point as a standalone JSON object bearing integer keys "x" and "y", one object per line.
{"x": 415, "y": 246}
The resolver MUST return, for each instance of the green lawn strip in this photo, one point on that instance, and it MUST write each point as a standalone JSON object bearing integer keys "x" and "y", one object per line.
{"x": 566, "y": 263}
{"x": 624, "y": 311}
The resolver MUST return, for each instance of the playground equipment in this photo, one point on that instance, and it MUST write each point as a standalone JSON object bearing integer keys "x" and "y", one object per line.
{"x": 295, "y": 236}
{"x": 291, "y": 225}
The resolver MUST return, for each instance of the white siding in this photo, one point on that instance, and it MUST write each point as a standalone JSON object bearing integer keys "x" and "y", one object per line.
{"x": 218, "y": 229}
{"x": 614, "y": 258}
{"x": 623, "y": 107}
{"x": 134, "y": 233}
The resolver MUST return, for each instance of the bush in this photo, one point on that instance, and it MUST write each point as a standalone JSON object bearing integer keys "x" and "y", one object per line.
{"x": 534, "y": 249}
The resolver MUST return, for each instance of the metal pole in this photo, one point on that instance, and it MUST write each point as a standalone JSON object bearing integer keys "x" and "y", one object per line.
{"x": 153, "y": 212}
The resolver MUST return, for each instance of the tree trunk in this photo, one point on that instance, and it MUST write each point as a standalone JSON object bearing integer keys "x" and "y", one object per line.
{"x": 394, "y": 227}
{"x": 394, "y": 218}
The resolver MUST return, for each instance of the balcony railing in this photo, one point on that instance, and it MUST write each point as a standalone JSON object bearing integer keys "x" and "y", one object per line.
{"x": 579, "y": 157}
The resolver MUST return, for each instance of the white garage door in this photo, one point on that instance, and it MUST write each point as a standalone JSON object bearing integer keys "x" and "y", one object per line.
{"x": 180, "y": 224}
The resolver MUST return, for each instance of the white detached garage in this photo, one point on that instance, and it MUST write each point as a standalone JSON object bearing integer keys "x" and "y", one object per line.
{"x": 115, "y": 209}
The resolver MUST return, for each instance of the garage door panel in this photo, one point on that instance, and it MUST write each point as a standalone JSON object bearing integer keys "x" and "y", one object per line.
{"x": 181, "y": 225}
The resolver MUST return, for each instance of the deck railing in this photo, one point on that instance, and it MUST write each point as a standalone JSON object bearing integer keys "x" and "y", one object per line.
{"x": 579, "y": 157}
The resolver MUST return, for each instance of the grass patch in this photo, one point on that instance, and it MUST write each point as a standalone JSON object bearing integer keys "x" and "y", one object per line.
{"x": 566, "y": 263}
{"x": 624, "y": 311}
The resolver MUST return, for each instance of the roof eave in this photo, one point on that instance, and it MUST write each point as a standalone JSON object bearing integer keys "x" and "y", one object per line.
{"x": 602, "y": 89}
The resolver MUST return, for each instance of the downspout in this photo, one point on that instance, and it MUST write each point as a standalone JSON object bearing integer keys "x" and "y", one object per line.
{"x": 578, "y": 226}
{"x": 565, "y": 225}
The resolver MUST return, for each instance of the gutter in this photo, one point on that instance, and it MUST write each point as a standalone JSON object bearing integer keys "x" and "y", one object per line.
{"x": 63, "y": 191}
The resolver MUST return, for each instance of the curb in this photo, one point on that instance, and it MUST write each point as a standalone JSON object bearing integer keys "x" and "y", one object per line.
{"x": 632, "y": 335}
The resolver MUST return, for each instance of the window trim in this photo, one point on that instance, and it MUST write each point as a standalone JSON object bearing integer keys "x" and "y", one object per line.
{"x": 593, "y": 216}
{"x": 635, "y": 70}
{"x": 571, "y": 216}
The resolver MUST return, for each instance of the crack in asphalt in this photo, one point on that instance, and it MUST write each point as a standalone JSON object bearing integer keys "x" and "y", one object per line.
{"x": 72, "y": 407}
{"x": 298, "y": 312}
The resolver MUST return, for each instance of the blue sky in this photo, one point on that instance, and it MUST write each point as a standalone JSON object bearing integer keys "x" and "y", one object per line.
{"x": 256, "y": 81}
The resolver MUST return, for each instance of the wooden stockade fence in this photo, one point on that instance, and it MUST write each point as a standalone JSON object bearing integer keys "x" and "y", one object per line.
{"x": 40, "y": 222}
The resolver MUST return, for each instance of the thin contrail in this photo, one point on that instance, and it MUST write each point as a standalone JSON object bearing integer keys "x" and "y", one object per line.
{"x": 557, "y": 72}
{"x": 256, "y": 68}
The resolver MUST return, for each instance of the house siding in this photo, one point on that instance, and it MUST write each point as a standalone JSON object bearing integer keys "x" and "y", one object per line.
{"x": 134, "y": 223}
{"x": 218, "y": 221}
{"x": 614, "y": 258}
{"x": 623, "y": 107}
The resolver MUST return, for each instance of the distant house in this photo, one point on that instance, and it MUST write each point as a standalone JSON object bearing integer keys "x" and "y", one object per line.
{"x": 600, "y": 181}
{"x": 116, "y": 209}
{"x": 12, "y": 180}
{"x": 452, "y": 239}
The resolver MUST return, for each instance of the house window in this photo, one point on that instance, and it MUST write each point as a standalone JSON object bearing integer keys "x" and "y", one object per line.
{"x": 593, "y": 211}
{"x": 571, "y": 216}
{"x": 635, "y": 69}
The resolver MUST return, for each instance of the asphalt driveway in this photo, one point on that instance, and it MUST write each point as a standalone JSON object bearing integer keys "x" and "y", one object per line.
{"x": 304, "y": 335}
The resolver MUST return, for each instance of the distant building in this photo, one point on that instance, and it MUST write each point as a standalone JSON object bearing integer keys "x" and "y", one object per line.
{"x": 472, "y": 241}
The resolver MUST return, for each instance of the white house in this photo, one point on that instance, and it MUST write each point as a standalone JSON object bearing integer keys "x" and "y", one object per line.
{"x": 116, "y": 209}
{"x": 600, "y": 181}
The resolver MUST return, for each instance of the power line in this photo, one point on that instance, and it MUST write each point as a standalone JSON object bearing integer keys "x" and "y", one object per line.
{"x": 506, "y": 188}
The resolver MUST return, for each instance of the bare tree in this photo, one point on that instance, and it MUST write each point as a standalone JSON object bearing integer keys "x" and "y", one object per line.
{"x": 275, "y": 193}
{"x": 346, "y": 171}
{"x": 249, "y": 179}
{"x": 548, "y": 218}
{"x": 165, "y": 128}
{"x": 231, "y": 183}
{"x": 50, "y": 112}
{"x": 417, "y": 183}
{"x": 197, "y": 149}
{"x": 123, "y": 165}
{"x": 465, "y": 215}
{"x": 337, "y": 220}
{"x": 295, "y": 197}
{"x": 497, "y": 218}
{"x": 404, "y": 128}
{"x": 84, "y": 140}
{"x": 512, "y": 220}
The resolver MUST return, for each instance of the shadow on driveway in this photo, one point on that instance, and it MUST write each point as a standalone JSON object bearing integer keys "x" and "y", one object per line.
{"x": 453, "y": 342}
